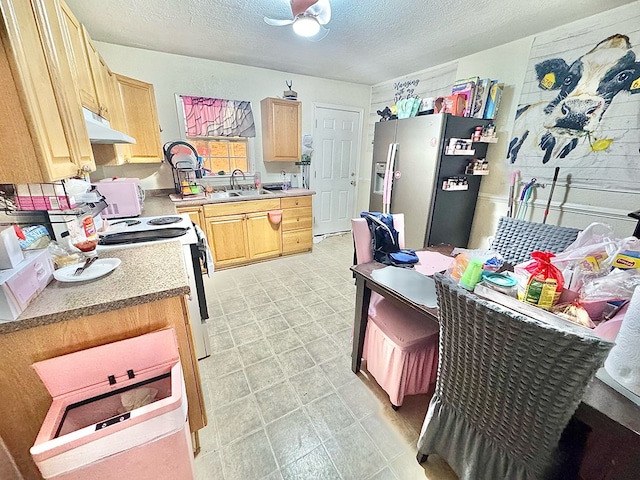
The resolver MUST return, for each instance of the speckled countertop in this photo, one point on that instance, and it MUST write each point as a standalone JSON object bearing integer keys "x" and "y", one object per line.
{"x": 147, "y": 274}
{"x": 293, "y": 192}
{"x": 156, "y": 203}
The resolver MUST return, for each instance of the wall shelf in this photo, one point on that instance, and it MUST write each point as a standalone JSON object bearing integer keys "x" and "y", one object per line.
{"x": 450, "y": 151}
{"x": 455, "y": 188}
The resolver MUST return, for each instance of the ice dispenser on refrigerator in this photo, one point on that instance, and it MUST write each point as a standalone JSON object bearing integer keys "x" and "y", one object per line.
{"x": 119, "y": 411}
{"x": 378, "y": 178}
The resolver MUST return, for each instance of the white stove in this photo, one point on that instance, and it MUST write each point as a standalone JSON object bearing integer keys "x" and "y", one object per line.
{"x": 122, "y": 233}
{"x": 141, "y": 231}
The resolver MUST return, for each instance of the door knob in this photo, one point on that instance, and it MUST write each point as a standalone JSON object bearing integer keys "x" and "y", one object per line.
{"x": 353, "y": 182}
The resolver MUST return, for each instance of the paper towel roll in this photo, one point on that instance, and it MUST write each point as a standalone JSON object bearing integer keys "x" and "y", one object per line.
{"x": 623, "y": 362}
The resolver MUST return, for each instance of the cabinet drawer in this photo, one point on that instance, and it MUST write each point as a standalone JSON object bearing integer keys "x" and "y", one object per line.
{"x": 234, "y": 208}
{"x": 291, "y": 202}
{"x": 297, "y": 241}
{"x": 296, "y": 218}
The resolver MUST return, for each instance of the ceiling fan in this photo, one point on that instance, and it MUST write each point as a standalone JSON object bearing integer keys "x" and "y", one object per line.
{"x": 309, "y": 18}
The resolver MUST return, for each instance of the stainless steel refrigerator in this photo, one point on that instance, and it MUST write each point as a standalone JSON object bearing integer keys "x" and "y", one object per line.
{"x": 410, "y": 166}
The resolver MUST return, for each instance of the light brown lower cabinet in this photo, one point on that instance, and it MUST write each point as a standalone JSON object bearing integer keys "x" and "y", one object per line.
{"x": 297, "y": 225}
{"x": 195, "y": 214}
{"x": 263, "y": 236}
{"x": 245, "y": 232}
{"x": 227, "y": 236}
{"x": 24, "y": 400}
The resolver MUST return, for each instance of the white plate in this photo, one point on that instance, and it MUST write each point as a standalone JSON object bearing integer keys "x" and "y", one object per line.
{"x": 97, "y": 269}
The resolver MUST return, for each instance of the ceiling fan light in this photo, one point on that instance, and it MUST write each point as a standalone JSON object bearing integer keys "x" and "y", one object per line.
{"x": 306, "y": 26}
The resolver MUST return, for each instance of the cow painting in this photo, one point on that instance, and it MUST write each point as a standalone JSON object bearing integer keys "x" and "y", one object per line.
{"x": 586, "y": 89}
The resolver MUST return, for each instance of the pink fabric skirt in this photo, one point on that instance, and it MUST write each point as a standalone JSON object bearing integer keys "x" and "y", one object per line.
{"x": 401, "y": 349}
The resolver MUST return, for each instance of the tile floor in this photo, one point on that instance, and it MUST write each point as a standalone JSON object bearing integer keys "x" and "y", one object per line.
{"x": 282, "y": 401}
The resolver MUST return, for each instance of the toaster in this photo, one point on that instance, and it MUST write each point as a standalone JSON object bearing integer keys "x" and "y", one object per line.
{"x": 124, "y": 197}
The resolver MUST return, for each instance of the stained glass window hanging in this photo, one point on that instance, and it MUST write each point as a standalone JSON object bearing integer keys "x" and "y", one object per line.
{"x": 217, "y": 117}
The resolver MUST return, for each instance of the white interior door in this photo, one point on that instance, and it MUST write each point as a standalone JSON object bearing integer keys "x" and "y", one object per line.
{"x": 336, "y": 150}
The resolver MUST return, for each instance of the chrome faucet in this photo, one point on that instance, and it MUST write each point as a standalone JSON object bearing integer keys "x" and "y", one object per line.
{"x": 232, "y": 180}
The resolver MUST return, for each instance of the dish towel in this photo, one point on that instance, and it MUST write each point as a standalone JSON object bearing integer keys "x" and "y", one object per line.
{"x": 205, "y": 251}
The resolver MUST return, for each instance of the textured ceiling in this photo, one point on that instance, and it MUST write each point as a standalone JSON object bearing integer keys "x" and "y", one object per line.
{"x": 370, "y": 41}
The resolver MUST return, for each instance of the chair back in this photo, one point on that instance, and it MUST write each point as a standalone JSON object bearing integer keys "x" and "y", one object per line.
{"x": 362, "y": 237}
{"x": 507, "y": 386}
{"x": 516, "y": 239}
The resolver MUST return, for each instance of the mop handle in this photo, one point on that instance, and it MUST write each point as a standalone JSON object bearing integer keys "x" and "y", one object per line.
{"x": 512, "y": 188}
{"x": 553, "y": 186}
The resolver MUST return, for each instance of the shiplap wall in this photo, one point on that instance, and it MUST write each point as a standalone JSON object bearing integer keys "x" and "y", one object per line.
{"x": 571, "y": 206}
{"x": 431, "y": 82}
{"x": 618, "y": 167}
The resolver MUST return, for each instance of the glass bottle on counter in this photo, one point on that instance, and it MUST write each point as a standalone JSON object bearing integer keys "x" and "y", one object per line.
{"x": 286, "y": 181}
{"x": 83, "y": 234}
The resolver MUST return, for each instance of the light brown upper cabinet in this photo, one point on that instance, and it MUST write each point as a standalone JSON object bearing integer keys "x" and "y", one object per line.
{"x": 141, "y": 115}
{"x": 281, "y": 130}
{"x": 75, "y": 45}
{"x": 134, "y": 112}
{"x": 116, "y": 109}
{"x": 41, "y": 125}
{"x": 99, "y": 74}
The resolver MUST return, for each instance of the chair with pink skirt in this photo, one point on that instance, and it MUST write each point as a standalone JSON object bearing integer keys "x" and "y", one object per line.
{"x": 400, "y": 347}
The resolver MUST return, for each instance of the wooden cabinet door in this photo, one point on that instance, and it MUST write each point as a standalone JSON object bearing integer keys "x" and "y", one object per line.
{"x": 141, "y": 115}
{"x": 116, "y": 108}
{"x": 78, "y": 57}
{"x": 264, "y": 239}
{"x": 195, "y": 214}
{"x": 41, "y": 121}
{"x": 67, "y": 97}
{"x": 281, "y": 130}
{"x": 99, "y": 75}
{"x": 227, "y": 237}
{"x": 113, "y": 154}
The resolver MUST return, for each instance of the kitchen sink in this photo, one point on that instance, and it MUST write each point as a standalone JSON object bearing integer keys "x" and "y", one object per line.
{"x": 220, "y": 195}
{"x": 238, "y": 193}
{"x": 247, "y": 193}
{"x": 253, "y": 193}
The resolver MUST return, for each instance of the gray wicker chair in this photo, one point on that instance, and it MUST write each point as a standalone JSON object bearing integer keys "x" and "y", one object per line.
{"x": 507, "y": 386}
{"x": 516, "y": 239}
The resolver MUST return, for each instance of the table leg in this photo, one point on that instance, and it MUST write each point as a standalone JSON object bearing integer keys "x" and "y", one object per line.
{"x": 361, "y": 316}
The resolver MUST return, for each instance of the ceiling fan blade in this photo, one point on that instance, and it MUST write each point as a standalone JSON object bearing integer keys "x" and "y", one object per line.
{"x": 320, "y": 35}
{"x": 277, "y": 22}
{"x": 321, "y": 10}
{"x": 298, "y": 7}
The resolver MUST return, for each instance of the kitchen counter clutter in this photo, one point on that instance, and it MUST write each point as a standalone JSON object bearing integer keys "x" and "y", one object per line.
{"x": 133, "y": 282}
{"x": 145, "y": 293}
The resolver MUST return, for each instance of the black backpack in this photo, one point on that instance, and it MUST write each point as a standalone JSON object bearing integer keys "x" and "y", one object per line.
{"x": 384, "y": 241}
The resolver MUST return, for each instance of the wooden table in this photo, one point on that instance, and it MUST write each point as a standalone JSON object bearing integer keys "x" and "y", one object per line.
{"x": 609, "y": 414}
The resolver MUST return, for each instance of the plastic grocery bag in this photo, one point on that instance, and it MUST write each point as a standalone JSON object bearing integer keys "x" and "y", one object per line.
{"x": 595, "y": 240}
{"x": 589, "y": 256}
{"x": 617, "y": 285}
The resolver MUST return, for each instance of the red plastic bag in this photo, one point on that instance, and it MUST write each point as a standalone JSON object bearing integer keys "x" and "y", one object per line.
{"x": 545, "y": 282}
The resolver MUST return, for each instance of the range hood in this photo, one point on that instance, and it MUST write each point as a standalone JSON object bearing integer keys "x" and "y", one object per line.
{"x": 101, "y": 132}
